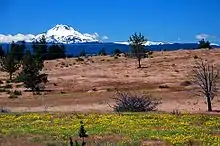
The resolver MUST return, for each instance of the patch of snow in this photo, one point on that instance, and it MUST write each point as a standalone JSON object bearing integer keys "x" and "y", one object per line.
{"x": 148, "y": 43}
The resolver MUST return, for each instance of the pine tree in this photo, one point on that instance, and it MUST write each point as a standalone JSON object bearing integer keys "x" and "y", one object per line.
{"x": 40, "y": 48}
{"x": 102, "y": 52}
{"x": 71, "y": 141}
{"x": 137, "y": 47}
{"x": 82, "y": 53}
{"x": 56, "y": 51}
{"x": 204, "y": 44}
{"x": 33, "y": 79}
{"x": 2, "y": 52}
{"x": 82, "y": 132}
{"x": 76, "y": 143}
{"x": 117, "y": 52}
{"x": 17, "y": 50}
{"x": 9, "y": 64}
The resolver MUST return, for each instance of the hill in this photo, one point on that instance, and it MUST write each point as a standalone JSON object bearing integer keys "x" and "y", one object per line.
{"x": 88, "y": 85}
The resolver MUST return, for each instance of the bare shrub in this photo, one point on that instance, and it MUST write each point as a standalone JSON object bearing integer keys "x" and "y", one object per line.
{"x": 127, "y": 102}
{"x": 13, "y": 96}
{"x": 195, "y": 57}
{"x": 163, "y": 86}
{"x": 4, "y": 110}
{"x": 176, "y": 112}
{"x": 7, "y": 86}
{"x": 18, "y": 93}
{"x": 186, "y": 83}
{"x": 79, "y": 59}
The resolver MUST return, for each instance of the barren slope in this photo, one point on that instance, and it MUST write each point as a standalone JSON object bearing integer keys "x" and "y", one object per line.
{"x": 87, "y": 85}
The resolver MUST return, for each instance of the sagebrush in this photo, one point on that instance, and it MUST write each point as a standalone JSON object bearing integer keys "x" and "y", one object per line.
{"x": 128, "y": 102}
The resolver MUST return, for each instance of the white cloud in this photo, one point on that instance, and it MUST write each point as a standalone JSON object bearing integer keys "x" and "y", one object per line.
{"x": 17, "y": 37}
{"x": 94, "y": 35}
{"x": 214, "y": 39}
{"x": 105, "y": 37}
{"x": 202, "y": 36}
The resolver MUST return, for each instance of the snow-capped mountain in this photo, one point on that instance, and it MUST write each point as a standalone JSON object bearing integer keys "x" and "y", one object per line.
{"x": 58, "y": 34}
{"x": 148, "y": 43}
{"x": 66, "y": 34}
{"x": 62, "y": 34}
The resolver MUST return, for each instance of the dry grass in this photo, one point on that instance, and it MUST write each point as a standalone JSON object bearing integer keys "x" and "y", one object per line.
{"x": 90, "y": 83}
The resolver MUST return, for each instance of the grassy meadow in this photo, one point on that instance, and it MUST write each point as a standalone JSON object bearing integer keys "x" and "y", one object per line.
{"x": 123, "y": 129}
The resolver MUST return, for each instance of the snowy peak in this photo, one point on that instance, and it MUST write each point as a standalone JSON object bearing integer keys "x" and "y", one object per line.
{"x": 66, "y": 34}
{"x": 61, "y": 27}
{"x": 58, "y": 34}
{"x": 62, "y": 30}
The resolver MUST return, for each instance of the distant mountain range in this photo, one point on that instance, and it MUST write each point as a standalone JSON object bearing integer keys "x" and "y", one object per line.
{"x": 62, "y": 34}
{"x": 58, "y": 34}
{"x": 75, "y": 41}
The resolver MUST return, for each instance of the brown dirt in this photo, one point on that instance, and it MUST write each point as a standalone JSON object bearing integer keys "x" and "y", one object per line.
{"x": 91, "y": 140}
{"x": 13, "y": 141}
{"x": 87, "y": 86}
{"x": 154, "y": 143}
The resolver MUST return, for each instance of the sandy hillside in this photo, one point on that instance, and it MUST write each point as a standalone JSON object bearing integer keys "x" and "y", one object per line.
{"x": 87, "y": 85}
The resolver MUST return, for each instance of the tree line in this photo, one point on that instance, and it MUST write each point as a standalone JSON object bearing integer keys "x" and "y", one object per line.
{"x": 40, "y": 49}
{"x": 29, "y": 65}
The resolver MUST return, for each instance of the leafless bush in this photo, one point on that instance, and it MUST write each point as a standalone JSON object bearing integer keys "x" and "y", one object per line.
{"x": 163, "y": 86}
{"x": 186, "y": 83}
{"x": 127, "y": 102}
{"x": 176, "y": 112}
{"x": 79, "y": 59}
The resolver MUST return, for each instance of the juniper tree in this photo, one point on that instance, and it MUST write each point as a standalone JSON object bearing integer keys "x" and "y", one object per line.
{"x": 33, "y": 78}
{"x": 82, "y": 132}
{"x": 204, "y": 44}
{"x": 2, "y": 52}
{"x": 82, "y": 53}
{"x": 9, "y": 64}
{"x": 117, "y": 52}
{"x": 40, "y": 48}
{"x": 102, "y": 52}
{"x": 56, "y": 51}
{"x": 136, "y": 42}
{"x": 71, "y": 141}
{"x": 17, "y": 50}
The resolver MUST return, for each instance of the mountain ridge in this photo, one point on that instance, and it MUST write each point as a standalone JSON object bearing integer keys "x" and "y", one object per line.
{"x": 58, "y": 34}
{"x": 61, "y": 33}
{"x": 66, "y": 34}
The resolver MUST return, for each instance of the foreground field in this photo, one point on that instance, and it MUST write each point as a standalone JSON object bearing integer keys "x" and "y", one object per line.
{"x": 153, "y": 128}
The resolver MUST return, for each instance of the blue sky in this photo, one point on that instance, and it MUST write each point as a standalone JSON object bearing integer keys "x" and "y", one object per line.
{"x": 158, "y": 20}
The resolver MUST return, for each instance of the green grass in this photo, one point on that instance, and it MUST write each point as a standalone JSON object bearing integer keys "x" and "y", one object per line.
{"x": 133, "y": 127}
